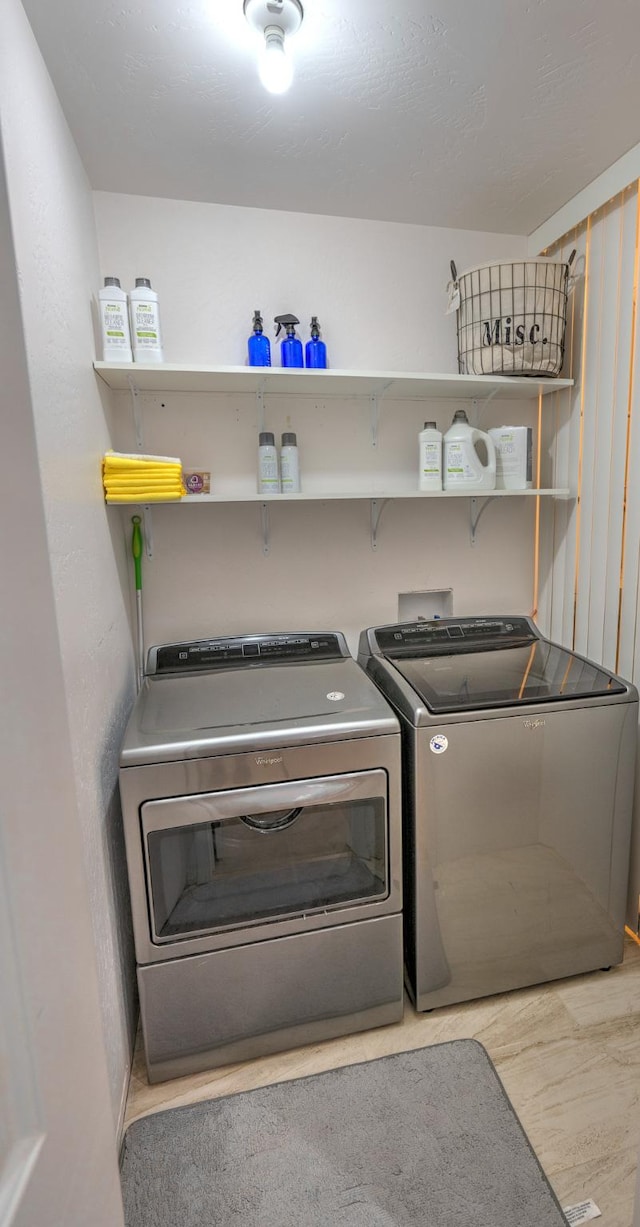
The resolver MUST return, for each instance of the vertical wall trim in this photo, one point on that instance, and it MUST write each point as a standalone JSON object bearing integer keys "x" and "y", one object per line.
{"x": 536, "y": 538}
{"x": 583, "y": 363}
{"x": 632, "y": 359}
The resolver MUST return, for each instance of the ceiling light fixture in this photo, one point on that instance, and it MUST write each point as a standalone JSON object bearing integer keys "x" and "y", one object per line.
{"x": 274, "y": 20}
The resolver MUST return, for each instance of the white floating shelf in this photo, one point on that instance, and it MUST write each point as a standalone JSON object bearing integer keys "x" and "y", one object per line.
{"x": 344, "y": 496}
{"x": 275, "y": 381}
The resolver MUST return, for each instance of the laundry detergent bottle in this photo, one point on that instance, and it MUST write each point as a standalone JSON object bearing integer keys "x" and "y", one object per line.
{"x": 465, "y": 448}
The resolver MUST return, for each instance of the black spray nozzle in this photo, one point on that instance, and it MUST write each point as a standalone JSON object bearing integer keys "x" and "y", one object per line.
{"x": 257, "y": 321}
{"x": 315, "y": 327}
{"x": 286, "y": 321}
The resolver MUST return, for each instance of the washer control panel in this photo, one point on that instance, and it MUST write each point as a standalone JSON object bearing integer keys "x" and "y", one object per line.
{"x": 447, "y": 635}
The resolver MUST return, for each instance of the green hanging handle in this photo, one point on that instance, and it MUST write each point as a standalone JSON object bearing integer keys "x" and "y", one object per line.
{"x": 136, "y": 550}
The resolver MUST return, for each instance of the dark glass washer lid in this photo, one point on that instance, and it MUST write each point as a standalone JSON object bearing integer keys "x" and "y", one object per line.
{"x": 538, "y": 672}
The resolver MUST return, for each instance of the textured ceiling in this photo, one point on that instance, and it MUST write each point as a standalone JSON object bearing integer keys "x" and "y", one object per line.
{"x": 484, "y": 114}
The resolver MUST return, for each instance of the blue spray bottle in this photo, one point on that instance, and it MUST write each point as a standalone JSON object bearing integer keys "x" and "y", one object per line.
{"x": 259, "y": 347}
{"x": 291, "y": 348}
{"x": 315, "y": 349}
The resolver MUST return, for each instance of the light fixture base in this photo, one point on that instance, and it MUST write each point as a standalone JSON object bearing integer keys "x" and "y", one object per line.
{"x": 285, "y": 14}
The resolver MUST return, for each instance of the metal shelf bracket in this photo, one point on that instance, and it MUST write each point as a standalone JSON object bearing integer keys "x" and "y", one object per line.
{"x": 377, "y": 507}
{"x": 475, "y": 515}
{"x": 147, "y": 530}
{"x": 137, "y": 412}
{"x": 260, "y": 406}
{"x": 375, "y": 418}
{"x": 147, "y": 521}
{"x": 479, "y": 406}
{"x": 266, "y": 527}
{"x": 374, "y": 402}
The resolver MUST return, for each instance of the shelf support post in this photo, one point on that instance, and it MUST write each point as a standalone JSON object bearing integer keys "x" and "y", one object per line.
{"x": 377, "y": 507}
{"x": 147, "y": 521}
{"x": 479, "y": 407}
{"x": 374, "y": 402}
{"x": 137, "y": 413}
{"x": 375, "y": 417}
{"x": 264, "y": 519}
{"x": 260, "y": 406}
{"x": 147, "y": 530}
{"x": 475, "y": 515}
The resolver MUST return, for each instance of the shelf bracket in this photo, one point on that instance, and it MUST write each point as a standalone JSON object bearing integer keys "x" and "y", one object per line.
{"x": 375, "y": 418}
{"x": 374, "y": 402}
{"x": 137, "y": 412}
{"x": 478, "y": 407}
{"x": 264, "y": 519}
{"x": 147, "y": 530}
{"x": 260, "y": 407}
{"x": 377, "y": 507}
{"x": 475, "y": 515}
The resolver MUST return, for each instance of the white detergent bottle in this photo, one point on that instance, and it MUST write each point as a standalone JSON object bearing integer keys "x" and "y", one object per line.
{"x": 464, "y": 467}
{"x": 145, "y": 323}
{"x": 430, "y": 458}
{"x": 114, "y": 322}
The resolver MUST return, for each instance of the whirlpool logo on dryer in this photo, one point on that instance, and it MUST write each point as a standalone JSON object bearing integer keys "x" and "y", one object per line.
{"x": 534, "y": 724}
{"x": 268, "y": 760}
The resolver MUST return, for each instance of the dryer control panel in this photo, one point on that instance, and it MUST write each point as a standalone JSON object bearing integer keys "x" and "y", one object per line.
{"x": 245, "y": 651}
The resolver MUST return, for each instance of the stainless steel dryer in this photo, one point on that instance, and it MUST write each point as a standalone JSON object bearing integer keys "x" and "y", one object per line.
{"x": 260, "y": 781}
{"x": 518, "y": 776}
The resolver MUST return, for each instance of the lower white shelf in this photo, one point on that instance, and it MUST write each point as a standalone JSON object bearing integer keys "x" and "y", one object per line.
{"x": 367, "y": 495}
{"x": 478, "y": 502}
{"x": 339, "y": 495}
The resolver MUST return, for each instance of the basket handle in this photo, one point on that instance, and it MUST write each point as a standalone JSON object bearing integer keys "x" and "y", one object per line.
{"x": 572, "y": 276}
{"x": 453, "y": 292}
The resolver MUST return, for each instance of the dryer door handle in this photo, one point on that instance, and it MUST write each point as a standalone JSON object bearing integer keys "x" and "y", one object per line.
{"x": 236, "y": 803}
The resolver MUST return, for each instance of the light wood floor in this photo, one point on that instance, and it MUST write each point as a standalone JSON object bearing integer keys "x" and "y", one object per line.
{"x": 568, "y": 1054}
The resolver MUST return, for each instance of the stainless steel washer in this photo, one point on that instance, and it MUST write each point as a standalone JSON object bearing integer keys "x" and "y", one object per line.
{"x": 260, "y": 781}
{"x": 519, "y": 765}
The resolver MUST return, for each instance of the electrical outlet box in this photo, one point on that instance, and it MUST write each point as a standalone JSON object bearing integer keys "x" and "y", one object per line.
{"x": 425, "y": 605}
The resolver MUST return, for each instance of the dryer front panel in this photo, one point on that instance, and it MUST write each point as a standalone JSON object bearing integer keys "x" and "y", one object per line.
{"x": 226, "y": 851}
{"x": 247, "y": 856}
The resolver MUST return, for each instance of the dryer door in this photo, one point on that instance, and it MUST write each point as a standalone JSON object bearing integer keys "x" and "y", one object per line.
{"x": 241, "y": 857}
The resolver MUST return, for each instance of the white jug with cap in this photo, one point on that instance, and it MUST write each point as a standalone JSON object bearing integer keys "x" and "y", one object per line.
{"x": 465, "y": 470}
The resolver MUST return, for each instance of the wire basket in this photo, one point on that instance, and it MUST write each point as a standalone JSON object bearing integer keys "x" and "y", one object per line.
{"x": 511, "y": 317}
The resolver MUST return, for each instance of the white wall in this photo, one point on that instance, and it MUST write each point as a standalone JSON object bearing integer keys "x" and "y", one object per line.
{"x": 377, "y": 287}
{"x": 379, "y": 290}
{"x": 56, "y": 256}
{"x": 55, "y": 1105}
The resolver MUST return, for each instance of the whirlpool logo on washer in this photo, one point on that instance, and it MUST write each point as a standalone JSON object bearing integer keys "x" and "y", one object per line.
{"x": 533, "y": 724}
{"x": 268, "y": 760}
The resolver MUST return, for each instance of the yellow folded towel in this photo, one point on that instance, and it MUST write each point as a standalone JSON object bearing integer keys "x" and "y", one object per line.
{"x": 136, "y": 478}
{"x": 141, "y": 483}
{"x": 139, "y": 470}
{"x": 147, "y": 496}
{"x": 123, "y": 460}
{"x": 144, "y": 471}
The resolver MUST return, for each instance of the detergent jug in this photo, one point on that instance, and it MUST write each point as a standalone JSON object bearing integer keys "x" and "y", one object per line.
{"x": 464, "y": 469}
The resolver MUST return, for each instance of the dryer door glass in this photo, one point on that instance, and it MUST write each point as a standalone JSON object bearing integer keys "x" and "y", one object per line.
{"x": 250, "y": 855}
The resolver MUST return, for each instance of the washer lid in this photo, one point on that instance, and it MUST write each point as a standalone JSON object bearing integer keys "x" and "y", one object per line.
{"x": 537, "y": 672}
{"x": 235, "y": 710}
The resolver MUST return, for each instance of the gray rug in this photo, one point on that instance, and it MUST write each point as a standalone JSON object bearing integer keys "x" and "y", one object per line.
{"x": 426, "y": 1137}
